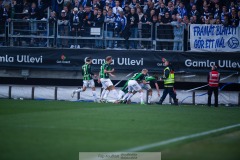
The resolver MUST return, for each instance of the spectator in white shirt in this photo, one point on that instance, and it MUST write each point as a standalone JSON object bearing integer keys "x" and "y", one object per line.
{"x": 117, "y": 8}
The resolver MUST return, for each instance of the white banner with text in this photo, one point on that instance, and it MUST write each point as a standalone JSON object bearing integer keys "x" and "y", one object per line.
{"x": 214, "y": 38}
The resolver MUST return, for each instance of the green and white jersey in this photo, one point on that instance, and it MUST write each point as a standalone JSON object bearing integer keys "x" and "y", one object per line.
{"x": 138, "y": 77}
{"x": 150, "y": 79}
{"x": 87, "y": 72}
{"x": 107, "y": 67}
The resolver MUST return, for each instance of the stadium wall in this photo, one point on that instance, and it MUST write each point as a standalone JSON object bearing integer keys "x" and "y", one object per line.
{"x": 124, "y": 61}
{"x": 62, "y": 67}
{"x": 22, "y": 92}
{"x": 41, "y": 64}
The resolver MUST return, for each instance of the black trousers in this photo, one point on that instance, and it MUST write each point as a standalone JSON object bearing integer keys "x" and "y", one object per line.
{"x": 210, "y": 91}
{"x": 170, "y": 91}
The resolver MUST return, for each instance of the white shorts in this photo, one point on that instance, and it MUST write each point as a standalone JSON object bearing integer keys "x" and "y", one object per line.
{"x": 88, "y": 83}
{"x": 133, "y": 86}
{"x": 120, "y": 94}
{"x": 145, "y": 86}
{"x": 106, "y": 82}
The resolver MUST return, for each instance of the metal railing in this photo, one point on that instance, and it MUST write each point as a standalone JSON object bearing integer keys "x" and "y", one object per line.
{"x": 80, "y": 37}
{"x": 43, "y": 33}
{"x": 3, "y": 33}
{"x": 35, "y": 33}
{"x": 167, "y": 39}
{"x": 133, "y": 40}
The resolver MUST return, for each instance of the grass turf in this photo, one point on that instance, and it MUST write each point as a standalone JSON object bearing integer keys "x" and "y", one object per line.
{"x": 43, "y": 130}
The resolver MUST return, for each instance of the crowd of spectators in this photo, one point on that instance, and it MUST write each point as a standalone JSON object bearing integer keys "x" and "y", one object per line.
{"x": 121, "y": 17}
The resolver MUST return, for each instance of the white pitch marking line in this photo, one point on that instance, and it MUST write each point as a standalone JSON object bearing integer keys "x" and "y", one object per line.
{"x": 161, "y": 143}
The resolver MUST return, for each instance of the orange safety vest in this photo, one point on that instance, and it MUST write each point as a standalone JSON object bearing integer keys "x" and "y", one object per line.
{"x": 213, "y": 79}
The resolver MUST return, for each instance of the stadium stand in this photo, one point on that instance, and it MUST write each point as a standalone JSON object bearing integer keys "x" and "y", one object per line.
{"x": 129, "y": 24}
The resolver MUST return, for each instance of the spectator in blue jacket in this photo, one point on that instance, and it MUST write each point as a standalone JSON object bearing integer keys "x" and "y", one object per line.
{"x": 182, "y": 10}
{"x": 110, "y": 25}
{"x": 178, "y": 31}
{"x": 120, "y": 24}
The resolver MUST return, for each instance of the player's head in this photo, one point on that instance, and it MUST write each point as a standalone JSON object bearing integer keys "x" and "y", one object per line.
{"x": 165, "y": 61}
{"x": 109, "y": 59}
{"x": 88, "y": 60}
{"x": 144, "y": 71}
{"x": 214, "y": 67}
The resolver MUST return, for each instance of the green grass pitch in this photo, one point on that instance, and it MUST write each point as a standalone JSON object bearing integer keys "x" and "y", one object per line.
{"x": 59, "y": 130}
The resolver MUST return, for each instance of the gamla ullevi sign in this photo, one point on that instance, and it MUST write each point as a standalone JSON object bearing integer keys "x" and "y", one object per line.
{"x": 21, "y": 59}
{"x": 208, "y": 63}
{"x": 214, "y": 38}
